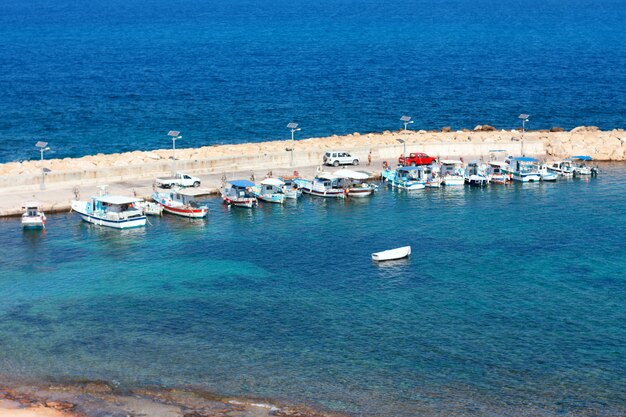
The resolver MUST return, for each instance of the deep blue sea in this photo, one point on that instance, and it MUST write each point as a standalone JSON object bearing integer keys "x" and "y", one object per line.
{"x": 512, "y": 304}
{"x": 117, "y": 75}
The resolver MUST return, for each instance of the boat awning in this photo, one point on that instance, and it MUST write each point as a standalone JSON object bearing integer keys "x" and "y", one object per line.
{"x": 524, "y": 159}
{"x": 450, "y": 161}
{"x": 348, "y": 173}
{"x": 497, "y": 163}
{"x": 582, "y": 157}
{"x": 117, "y": 199}
{"x": 408, "y": 169}
{"x": 241, "y": 183}
{"x": 273, "y": 181}
{"x": 192, "y": 192}
{"x": 327, "y": 176}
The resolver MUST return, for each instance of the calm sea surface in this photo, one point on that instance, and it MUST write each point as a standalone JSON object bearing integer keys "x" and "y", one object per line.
{"x": 116, "y": 75}
{"x": 512, "y": 303}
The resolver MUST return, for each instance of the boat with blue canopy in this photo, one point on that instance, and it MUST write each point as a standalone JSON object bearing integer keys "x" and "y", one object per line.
{"x": 406, "y": 178}
{"x": 523, "y": 169}
{"x": 238, "y": 193}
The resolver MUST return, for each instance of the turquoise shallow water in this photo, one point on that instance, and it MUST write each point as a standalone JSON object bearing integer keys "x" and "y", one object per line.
{"x": 512, "y": 303}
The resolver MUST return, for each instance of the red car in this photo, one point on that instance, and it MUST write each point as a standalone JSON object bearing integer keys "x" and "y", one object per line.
{"x": 416, "y": 158}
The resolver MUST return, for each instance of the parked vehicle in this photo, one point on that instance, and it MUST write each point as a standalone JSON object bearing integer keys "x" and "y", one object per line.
{"x": 180, "y": 179}
{"x": 33, "y": 217}
{"x": 336, "y": 158}
{"x": 181, "y": 204}
{"x": 238, "y": 193}
{"x": 416, "y": 158}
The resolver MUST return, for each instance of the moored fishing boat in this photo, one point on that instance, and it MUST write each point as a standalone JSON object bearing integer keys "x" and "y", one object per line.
{"x": 118, "y": 212}
{"x": 33, "y": 217}
{"x": 523, "y": 169}
{"x": 408, "y": 178}
{"x": 353, "y": 183}
{"x": 580, "y": 168}
{"x": 323, "y": 185}
{"x": 181, "y": 203}
{"x": 451, "y": 172}
{"x": 476, "y": 174}
{"x": 545, "y": 174}
{"x": 391, "y": 254}
{"x": 290, "y": 188}
{"x": 151, "y": 208}
{"x": 270, "y": 190}
{"x": 563, "y": 167}
{"x": 496, "y": 173}
{"x": 238, "y": 193}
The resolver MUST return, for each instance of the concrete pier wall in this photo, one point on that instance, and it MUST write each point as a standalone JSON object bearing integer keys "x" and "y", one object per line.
{"x": 260, "y": 162}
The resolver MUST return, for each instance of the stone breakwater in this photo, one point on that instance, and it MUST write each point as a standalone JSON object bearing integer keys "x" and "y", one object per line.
{"x": 601, "y": 145}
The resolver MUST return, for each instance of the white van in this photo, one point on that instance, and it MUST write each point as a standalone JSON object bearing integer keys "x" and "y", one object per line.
{"x": 337, "y": 158}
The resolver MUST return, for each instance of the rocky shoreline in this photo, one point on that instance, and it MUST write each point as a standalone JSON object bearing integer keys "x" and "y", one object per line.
{"x": 99, "y": 398}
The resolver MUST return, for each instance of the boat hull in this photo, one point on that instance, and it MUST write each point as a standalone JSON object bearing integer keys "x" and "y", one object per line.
{"x": 33, "y": 223}
{"x": 240, "y": 202}
{"x": 326, "y": 193}
{"x": 392, "y": 254}
{"x": 359, "y": 192}
{"x": 193, "y": 213}
{"x": 115, "y": 224}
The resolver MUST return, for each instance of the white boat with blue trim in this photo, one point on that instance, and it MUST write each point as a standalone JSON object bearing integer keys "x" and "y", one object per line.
{"x": 270, "y": 190}
{"x": 118, "y": 212}
{"x": 323, "y": 185}
{"x": 523, "y": 169}
{"x": 408, "y": 178}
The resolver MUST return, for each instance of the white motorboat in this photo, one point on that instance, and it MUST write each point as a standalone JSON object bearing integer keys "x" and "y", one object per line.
{"x": 323, "y": 185}
{"x": 181, "y": 203}
{"x": 151, "y": 209}
{"x": 270, "y": 190}
{"x": 523, "y": 169}
{"x": 451, "y": 172}
{"x": 476, "y": 174}
{"x": 388, "y": 255}
{"x": 546, "y": 174}
{"x": 353, "y": 182}
{"x": 114, "y": 211}
{"x": 33, "y": 217}
{"x": 406, "y": 178}
{"x": 496, "y": 173}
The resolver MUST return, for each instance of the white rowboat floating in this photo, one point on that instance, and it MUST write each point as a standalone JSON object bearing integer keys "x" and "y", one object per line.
{"x": 388, "y": 255}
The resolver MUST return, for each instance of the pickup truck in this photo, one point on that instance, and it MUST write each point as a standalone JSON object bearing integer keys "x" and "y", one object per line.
{"x": 180, "y": 179}
{"x": 416, "y": 158}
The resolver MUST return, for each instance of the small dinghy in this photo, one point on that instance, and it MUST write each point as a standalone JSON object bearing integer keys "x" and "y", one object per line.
{"x": 388, "y": 255}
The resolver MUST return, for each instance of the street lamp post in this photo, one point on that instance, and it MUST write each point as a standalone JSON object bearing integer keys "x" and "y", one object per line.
{"x": 293, "y": 127}
{"x": 407, "y": 121}
{"x": 174, "y": 134}
{"x": 43, "y": 146}
{"x": 524, "y": 117}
